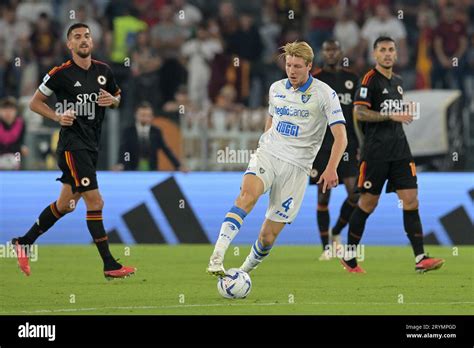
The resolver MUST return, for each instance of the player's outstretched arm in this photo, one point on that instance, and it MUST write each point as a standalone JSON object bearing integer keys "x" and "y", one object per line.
{"x": 329, "y": 177}
{"x": 38, "y": 105}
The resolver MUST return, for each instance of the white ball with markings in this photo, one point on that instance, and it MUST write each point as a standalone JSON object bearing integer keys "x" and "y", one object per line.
{"x": 235, "y": 284}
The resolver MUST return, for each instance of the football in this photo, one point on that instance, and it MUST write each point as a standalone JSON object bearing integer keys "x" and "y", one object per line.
{"x": 235, "y": 284}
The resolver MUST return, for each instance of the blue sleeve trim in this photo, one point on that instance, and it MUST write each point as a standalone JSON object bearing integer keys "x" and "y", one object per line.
{"x": 332, "y": 124}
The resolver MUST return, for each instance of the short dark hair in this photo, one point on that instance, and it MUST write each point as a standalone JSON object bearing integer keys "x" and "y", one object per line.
{"x": 144, "y": 104}
{"x": 331, "y": 41}
{"x": 75, "y": 26}
{"x": 382, "y": 39}
{"x": 8, "y": 102}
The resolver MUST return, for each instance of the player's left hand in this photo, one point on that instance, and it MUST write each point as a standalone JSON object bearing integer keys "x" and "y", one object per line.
{"x": 105, "y": 98}
{"x": 329, "y": 179}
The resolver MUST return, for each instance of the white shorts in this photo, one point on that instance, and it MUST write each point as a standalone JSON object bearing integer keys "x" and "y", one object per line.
{"x": 286, "y": 182}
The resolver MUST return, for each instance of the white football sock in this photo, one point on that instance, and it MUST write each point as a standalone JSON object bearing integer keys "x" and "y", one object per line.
{"x": 257, "y": 254}
{"x": 229, "y": 229}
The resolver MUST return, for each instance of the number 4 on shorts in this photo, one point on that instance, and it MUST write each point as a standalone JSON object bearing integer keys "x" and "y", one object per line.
{"x": 287, "y": 204}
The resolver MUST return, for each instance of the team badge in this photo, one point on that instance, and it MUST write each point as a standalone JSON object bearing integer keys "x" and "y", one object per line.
{"x": 85, "y": 181}
{"x": 262, "y": 170}
{"x": 305, "y": 98}
{"x": 363, "y": 92}
{"x": 101, "y": 79}
{"x": 400, "y": 89}
{"x": 349, "y": 84}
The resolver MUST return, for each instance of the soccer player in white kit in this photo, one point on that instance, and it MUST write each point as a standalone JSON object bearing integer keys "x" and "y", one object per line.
{"x": 300, "y": 107}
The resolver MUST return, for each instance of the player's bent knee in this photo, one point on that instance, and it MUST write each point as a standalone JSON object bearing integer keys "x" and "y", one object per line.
{"x": 94, "y": 203}
{"x": 246, "y": 200}
{"x": 410, "y": 204}
{"x": 368, "y": 205}
{"x": 65, "y": 208}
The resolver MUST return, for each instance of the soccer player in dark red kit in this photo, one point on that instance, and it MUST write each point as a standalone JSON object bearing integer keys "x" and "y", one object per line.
{"x": 386, "y": 155}
{"x": 84, "y": 87}
{"x": 344, "y": 82}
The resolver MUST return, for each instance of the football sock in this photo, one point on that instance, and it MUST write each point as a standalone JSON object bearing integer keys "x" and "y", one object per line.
{"x": 257, "y": 254}
{"x": 356, "y": 229}
{"x": 414, "y": 230}
{"x": 322, "y": 215}
{"x": 97, "y": 231}
{"x": 47, "y": 218}
{"x": 345, "y": 214}
{"x": 229, "y": 229}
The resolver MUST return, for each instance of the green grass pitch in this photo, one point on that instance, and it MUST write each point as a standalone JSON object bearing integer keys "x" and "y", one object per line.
{"x": 67, "y": 280}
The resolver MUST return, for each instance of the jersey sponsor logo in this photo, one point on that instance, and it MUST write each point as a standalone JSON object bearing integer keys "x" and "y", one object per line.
{"x": 345, "y": 98}
{"x": 287, "y": 129}
{"x": 400, "y": 89}
{"x": 87, "y": 98}
{"x": 337, "y": 111}
{"x": 390, "y": 105}
{"x": 102, "y": 80}
{"x": 349, "y": 84}
{"x": 281, "y": 96}
{"x": 305, "y": 98}
{"x": 291, "y": 111}
{"x": 363, "y": 92}
{"x": 85, "y": 181}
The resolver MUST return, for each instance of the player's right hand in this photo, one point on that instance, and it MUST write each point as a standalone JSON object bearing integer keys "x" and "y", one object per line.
{"x": 402, "y": 117}
{"x": 67, "y": 118}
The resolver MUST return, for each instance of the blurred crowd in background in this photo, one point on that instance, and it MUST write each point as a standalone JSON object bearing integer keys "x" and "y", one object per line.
{"x": 205, "y": 66}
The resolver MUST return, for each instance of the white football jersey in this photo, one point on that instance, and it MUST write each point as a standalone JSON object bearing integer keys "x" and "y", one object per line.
{"x": 300, "y": 119}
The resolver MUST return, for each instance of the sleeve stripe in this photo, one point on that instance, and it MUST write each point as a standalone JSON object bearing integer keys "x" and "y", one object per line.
{"x": 360, "y": 102}
{"x": 367, "y": 77}
{"x": 340, "y": 121}
{"x": 61, "y": 67}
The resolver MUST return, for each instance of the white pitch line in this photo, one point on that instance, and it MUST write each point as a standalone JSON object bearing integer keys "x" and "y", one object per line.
{"x": 65, "y": 310}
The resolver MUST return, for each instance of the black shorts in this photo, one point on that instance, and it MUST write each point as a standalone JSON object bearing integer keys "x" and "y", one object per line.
{"x": 400, "y": 174}
{"x": 79, "y": 169}
{"x": 347, "y": 167}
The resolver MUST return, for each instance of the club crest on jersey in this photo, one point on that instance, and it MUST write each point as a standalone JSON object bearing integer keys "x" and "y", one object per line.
{"x": 349, "y": 84}
{"x": 305, "y": 98}
{"x": 102, "y": 80}
{"x": 400, "y": 89}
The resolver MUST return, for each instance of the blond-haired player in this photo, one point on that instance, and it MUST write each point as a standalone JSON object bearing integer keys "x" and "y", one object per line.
{"x": 300, "y": 109}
